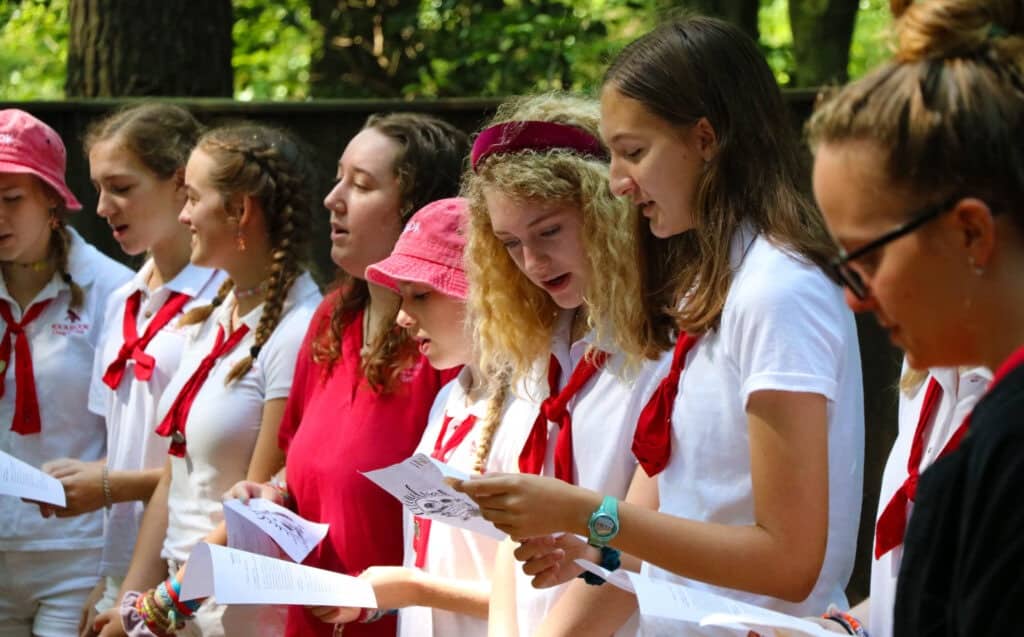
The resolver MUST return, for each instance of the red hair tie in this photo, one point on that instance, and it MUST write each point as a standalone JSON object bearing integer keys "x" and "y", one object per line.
{"x": 509, "y": 137}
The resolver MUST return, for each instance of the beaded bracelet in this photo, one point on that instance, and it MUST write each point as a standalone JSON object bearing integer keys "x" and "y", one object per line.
{"x": 849, "y": 623}
{"x": 157, "y": 623}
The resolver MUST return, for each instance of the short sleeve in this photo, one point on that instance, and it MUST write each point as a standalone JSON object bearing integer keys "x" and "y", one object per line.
{"x": 304, "y": 379}
{"x": 787, "y": 328}
{"x": 279, "y": 360}
{"x": 99, "y": 393}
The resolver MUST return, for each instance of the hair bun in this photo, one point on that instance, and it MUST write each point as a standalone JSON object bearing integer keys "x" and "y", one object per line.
{"x": 939, "y": 29}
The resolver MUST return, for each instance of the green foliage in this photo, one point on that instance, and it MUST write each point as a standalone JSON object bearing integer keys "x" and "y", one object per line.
{"x": 459, "y": 47}
{"x": 33, "y": 48}
{"x": 273, "y": 44}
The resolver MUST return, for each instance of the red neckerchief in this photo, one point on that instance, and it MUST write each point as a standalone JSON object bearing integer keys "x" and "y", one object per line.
{"x": 26, "y": 403}
{"x": 555, "y": 409}
{"x": 441, "y": 452}
{"x": 173, "y": 424}
{"x": 134, "y": 346}
{"x": 652, "y": 441}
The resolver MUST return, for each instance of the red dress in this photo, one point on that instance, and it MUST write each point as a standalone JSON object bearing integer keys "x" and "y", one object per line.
{"x": 334, "y": 428}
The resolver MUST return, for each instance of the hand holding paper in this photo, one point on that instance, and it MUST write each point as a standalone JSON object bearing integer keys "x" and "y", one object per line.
{"x": 263, "y": 527}
{"x": 419, "y": 483}
{"x": 24, "y": 481}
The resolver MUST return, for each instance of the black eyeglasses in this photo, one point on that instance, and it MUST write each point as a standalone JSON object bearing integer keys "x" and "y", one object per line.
{"x": 849, "y": 276}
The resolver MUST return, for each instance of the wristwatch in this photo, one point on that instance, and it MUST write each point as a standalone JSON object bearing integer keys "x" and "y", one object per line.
{"x": 604, "y": 522}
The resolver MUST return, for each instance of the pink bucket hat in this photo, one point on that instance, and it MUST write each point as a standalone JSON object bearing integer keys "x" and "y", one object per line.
{"x": 429, "y": 250}
{"x": 28, "y": 146}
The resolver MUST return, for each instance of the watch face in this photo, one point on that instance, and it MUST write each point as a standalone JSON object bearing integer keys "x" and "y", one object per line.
{"x": 604, "y": 525}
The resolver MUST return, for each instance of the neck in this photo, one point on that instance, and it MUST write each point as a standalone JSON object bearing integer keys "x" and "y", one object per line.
{"x": 169, "y": 258}
{"x": 475, "y": 387}
{"x": 24, "y": 281}
{"x": 247, "y": 276}
{"x": 999, "y": 328}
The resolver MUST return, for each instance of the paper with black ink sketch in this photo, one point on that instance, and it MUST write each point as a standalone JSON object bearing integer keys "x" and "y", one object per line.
{"x": 262, "y": 527}
{"x": 418, "y": 482}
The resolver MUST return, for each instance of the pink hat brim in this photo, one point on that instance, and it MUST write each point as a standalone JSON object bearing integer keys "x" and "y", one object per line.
{"x": 70, "y": 201}
{"x": 402, "y": 268}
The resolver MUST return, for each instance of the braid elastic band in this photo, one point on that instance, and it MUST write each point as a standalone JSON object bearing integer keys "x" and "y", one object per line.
{"x": 254, "y": 351}
{"x": 510, "y": 137}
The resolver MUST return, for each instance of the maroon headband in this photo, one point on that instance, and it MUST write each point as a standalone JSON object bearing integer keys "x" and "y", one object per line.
{"x": 510, "y": 137}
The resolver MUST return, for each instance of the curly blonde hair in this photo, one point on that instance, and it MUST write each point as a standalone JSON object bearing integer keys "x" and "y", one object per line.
{"x": 514, "y": 320}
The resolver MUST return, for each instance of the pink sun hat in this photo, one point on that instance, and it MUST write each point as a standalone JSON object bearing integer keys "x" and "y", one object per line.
{"x": 429, "y": 250}
{"x": 28, "y": 146}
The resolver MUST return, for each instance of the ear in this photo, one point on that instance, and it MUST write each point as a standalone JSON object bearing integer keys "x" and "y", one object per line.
{"x": 250, "y": 207}
{"x": 706, "y": 139}
{"x": 976, "y": 229}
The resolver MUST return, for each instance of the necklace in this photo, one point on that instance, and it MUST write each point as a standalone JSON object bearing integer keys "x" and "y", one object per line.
{"x": 35, "y": 266}
{"x": 261, "y": 288}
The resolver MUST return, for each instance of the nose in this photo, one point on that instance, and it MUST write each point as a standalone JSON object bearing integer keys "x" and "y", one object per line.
{"x": 335, "y": 199}
{"x": 405, "y": 320}
{"x": 534, "y": 260}
{"x": 619, "y": 181}
{"x": 103, "y": 206}
{"x": 183, "y": 216}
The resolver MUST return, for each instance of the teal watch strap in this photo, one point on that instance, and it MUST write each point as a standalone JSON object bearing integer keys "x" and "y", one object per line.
{"x": 604, "y": 522}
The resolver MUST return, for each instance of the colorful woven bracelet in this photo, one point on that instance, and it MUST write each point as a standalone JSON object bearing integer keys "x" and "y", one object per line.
{"x": 370, "y": 615}
{"x": 849, "y": 623}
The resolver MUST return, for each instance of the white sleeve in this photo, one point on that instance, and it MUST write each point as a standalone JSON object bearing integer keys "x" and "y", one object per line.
{"x": 99, "y": 393}
{"x": 787, "y": 331}
{"x": 277, "y": 358}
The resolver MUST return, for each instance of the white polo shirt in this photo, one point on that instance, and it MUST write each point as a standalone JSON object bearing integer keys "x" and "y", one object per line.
{"x": 225, "y": 420}
{"x": 604, "y": 416}
{"x": 63, "y": 343}
{"x": 784, "y": 327}
{"x": 452, "y": 552}
{"x": 130, "y": 410}
{"x": 961, "y": 390}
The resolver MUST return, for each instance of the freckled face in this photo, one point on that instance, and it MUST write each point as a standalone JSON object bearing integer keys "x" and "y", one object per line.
{"x": 545, "y": 240}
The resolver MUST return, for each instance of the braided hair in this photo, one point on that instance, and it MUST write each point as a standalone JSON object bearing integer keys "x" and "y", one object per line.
{"x": 268, "y": 165}
{"x": 60, "y": 248}
{"x": 492, "y": 419}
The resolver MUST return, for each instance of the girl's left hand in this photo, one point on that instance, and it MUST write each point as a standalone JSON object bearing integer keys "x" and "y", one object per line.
{"x": 525, "y": 505}
{"x": 394, "y": 587}
{"x": 83, "y": 485}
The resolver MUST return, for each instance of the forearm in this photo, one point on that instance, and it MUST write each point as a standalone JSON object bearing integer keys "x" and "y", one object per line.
{"x": 457, "y": 596}
{"x": 502, "y": 620}
{"x": 129, "y": 486}
{"x": 862, "y": 611}
{"x": 147, "y": 567}
{"x": 747, "y": 558}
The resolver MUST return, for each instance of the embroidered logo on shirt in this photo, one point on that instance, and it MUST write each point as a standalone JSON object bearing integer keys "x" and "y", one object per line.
{"x": 73, "y": 317}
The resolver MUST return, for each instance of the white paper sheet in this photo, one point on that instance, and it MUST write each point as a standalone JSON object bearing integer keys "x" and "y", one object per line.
{"x": 22, "y": 480}
{"x": 269, "y": 529}
{"x": 237, "y": 577}
{"x": 669, "y": 600}
{"x": 418, "y": 483}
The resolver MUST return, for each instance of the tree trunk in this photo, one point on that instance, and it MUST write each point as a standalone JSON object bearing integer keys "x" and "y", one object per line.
{"x": 370, "y": 48}
{"x": 150, "y": 48}
{"x": 822, "y": 31}
{"x": 742, "y": 13}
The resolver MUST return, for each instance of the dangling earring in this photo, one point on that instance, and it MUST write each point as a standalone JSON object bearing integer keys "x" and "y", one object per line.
{"x": 240, "y": 241}
{"x": 54, "y": 221}
{"x": 978, "y": 270}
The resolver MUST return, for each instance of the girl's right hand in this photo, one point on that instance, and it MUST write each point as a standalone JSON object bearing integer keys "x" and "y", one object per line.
{"x": 551, "y": 559}
{"x": 248, "y": 489}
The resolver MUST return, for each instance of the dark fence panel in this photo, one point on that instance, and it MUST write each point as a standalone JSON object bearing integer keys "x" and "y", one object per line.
{"x": 327, "y": 125}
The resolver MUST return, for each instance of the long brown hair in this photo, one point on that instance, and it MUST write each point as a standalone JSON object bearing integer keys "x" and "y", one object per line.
{"x": 269, "y": 165}
{"x": 699, "y": 67}
{"x": 427, "y": 166}
{"x": 947, "y": 114}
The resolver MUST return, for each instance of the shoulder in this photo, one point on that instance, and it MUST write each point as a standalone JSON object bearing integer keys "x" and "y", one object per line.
{"x": 771, "y": 275}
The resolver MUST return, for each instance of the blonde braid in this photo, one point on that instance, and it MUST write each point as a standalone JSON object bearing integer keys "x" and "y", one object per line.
{"x": 492, "y": 419}
{"x": 200, "y": 313}
{"x": 60, "y": 242}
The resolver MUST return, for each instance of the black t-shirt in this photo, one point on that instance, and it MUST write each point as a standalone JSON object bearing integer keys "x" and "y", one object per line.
{"x": 963, "y": 562}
